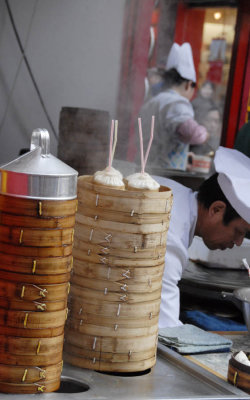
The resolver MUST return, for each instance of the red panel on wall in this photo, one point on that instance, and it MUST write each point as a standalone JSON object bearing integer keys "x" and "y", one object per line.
{"x": 189, "y": 28}
{"x": 135, "y": 60}
{"x": 240, "y": 81}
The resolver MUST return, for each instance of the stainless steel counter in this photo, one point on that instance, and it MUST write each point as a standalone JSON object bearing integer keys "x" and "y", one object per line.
{"x": 173, "y": 377}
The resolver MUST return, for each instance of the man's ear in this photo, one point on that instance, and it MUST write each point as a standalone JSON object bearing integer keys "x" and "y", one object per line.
{"x": 217, "y": 209}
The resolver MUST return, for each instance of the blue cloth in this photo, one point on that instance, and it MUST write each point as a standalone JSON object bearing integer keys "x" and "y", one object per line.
{"x": 210, "y": 322}
{"x": 189, "y": 339}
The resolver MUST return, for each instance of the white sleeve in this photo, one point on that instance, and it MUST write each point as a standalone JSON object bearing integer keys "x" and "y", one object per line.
{"x": 175, "y": 260}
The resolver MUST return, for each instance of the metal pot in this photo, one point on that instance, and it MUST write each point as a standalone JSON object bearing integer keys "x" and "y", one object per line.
{"x": 38, "y": 174}
{"x": 241, "y": 298}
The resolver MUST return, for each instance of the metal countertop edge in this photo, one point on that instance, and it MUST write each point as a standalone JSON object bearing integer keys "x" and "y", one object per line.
{"x": 202, "y": 374}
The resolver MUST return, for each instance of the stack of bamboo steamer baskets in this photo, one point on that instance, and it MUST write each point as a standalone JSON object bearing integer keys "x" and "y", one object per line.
{"x": 37, "y": 217}
{"x": 119, "y": 254}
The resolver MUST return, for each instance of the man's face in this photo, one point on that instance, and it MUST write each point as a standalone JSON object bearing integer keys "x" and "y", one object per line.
{"x": 220, "y": 236}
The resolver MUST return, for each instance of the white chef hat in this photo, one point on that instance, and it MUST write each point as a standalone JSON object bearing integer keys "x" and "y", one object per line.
{"x": 181, "y": 58}
{"x": 233, "y": 169}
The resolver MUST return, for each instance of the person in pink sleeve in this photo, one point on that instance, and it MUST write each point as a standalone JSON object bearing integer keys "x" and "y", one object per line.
{"x": 175, "y": 126}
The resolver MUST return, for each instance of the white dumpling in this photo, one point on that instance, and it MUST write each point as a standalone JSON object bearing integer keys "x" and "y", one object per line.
{"x": 142, "y": 181}
{"x": 109, "y": 177}
{"x": 242, "y": 358}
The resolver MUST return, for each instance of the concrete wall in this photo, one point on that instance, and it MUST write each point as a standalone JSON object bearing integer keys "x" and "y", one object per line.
{"x": 74, "y": 50}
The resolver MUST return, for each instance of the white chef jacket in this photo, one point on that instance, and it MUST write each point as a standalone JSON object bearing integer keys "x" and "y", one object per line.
{"x": 170, "y": 110}
{"x": 179, "y": 238}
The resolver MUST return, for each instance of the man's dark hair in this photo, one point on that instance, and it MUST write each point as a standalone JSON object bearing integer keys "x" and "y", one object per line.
{"x": 173, "y": 78}
{"x": 210, "y": 191}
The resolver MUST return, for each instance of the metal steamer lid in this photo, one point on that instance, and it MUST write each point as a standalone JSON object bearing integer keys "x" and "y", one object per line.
{"x": 38, "y": 174}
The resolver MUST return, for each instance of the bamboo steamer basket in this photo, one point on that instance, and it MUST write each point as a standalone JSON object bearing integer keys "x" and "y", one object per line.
{"x": 101, "y": 224}
{"x": 36, "y": 279}
{"x": 121, "y": 240}
{"x": 30, "y": 351}
{"x": 133, "y": 202}
{"x": 39, "y": 208}
{"x": 121, "y": 354}
{"x": 95, "y": 296}
{"x": 104, "y": 285}
{"x": 36, "y": 387}
{"x": 25, "y": 221}
{"x": 239, "y": 373}
{"x": 32, "y": 292}
{"x": 31, "y": 333}
{"x": 113, "y": 357}
{"x": 33, "y": 319}
{"x": 37, "y": 218}
{"x": 119, "y": 256}
{"x": 20, "y": 374}
{"x": 39, "y": 266}
{"x": 141, "y": 272}
{"x": 20, "y": 305}
{"x": 108, "y": 366}
{"x": 36, "y": 237}
{"x": 108, "y": 309}
{"x": 100, "y": 253}
{"x": 118, "y": 344}
{"x": 36, "y": 252}
{"x": 116, "y": 216}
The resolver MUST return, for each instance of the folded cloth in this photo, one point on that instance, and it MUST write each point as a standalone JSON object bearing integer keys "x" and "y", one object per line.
{"x": 189, "y": 339}
{"x": 211, "y": 322}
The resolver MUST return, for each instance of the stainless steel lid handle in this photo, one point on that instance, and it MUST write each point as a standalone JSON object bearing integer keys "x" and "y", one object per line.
{"x": 40, "y": 138}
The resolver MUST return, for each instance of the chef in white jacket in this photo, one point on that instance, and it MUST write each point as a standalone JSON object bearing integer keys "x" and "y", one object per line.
{"x": 219, "y": 213}
{"x": 175, "y": 126}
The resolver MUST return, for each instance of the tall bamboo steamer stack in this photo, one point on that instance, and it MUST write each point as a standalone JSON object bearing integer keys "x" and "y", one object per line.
{"x": 36, "y": 240}
{"x": 119, "y": 252}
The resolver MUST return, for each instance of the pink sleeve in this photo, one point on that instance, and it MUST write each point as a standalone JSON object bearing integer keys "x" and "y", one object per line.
{"x": 191, "y": 132}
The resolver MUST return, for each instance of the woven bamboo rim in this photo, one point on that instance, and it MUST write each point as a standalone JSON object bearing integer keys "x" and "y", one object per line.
{"x": 38, "y": 266}
{"x": 28, "y": 374}
{"x": 110, "y": 357}
{"x": 123, "y": 200}
{"x": 118, "y": 273}
{"x": 128, "y": 287}
{"x": 32, "y": 320}
{"x": 26, "y": 291}
{"x": 37, "y": 208}
{"x": 36, "y": 387}
{"x": 95, "y": 296}
{"x": 36, "y": 279}
{"x": 60, "y": 251}
{"x": 109, "y": 366}
{"x": 119, "y": 344}
{"x": 37, "y": 222}
{"x": 31, "y": 333}
{"x": 19, "y": 346}
{"x": 145, "y": 309}
{"x": 36, "y": 237}
{"x": 111, "y": 331}
{"x": 124, "y": 217}
{"x": 121, "y": 240}
{"x": 84, "y": 222}
{"x": 21, "y": 305}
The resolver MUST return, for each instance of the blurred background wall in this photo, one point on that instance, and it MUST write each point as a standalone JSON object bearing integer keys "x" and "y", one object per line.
{"x": 73, "y": 49}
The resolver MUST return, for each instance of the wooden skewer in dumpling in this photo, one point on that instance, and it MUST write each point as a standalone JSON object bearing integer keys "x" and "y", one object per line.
{"x": 142, "y": 180}
{"x": 110, "y": 176}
